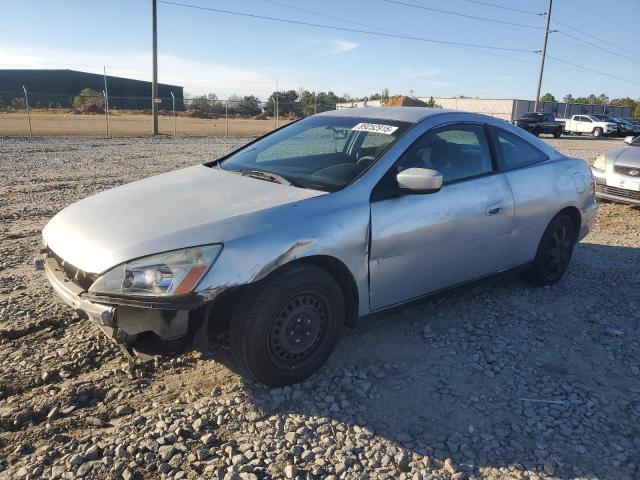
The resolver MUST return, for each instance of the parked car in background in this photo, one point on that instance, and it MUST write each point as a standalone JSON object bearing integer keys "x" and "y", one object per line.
{"x": 302, "y": 231}
{"x": 617, "y": 173}
{"x": 635, "y": 124}
{"x": 590, "y": 124}
{"x": 624, "y": 128}
{"x": 538, "y": 123}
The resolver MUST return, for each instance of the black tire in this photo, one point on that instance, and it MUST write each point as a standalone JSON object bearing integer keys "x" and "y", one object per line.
{"x": 597, "y": 132}
{"x": 554, "y": 252}
{"x": 536, "y": 131}
{"x": 557, "y": 133}
{"x": 285, "y": 327}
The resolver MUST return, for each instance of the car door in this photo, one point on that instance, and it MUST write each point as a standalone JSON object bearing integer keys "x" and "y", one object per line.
{"x": 421, "y": 243}
{"x": 549, "y": 125}
{"x": 585, "y": 125}
{"x": 578, "y": 124}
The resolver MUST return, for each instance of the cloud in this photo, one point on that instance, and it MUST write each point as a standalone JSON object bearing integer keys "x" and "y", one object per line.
{"x": 341, "y": 46}
{"x": 196, "y": 77}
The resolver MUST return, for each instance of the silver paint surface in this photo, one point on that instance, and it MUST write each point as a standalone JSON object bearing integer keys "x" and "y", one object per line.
{"x": 402, "y": 247}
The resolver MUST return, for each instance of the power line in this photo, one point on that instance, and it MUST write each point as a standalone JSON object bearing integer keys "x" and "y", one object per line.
{"x": 593, "y": 71}
{"x": 464, "y": 15}
{"x": 346, "y": 29}
{"x": 595, "y": 38}
{"x": 332, "y": 17}
{"x": 597, "y": 46}
{"x": 342, "y": 19}
{"x": 487, "y": 4}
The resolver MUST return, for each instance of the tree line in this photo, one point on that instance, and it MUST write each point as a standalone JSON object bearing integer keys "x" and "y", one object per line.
{"x": 601, "y": 99}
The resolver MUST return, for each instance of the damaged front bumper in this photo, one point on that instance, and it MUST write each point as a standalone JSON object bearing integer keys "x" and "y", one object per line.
{"x": 127, "y": 321}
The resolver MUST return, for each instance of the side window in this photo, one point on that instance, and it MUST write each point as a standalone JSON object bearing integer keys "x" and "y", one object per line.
{"x": 516, "y": 152}
{"x": 457, "y": 151}
{"x": 587, "y": 119}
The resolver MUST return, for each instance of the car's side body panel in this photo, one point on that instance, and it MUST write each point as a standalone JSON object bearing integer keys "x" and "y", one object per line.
{"x": 337, "y": 227}
{"x": 424, "y": 243}
{"x": 541, "y": 191}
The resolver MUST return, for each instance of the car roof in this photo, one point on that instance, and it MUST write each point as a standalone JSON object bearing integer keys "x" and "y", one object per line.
{"x": 402, "y": 114}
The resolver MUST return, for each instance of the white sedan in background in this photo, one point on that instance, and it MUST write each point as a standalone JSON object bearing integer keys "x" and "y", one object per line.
{"x": 617, "y": 173}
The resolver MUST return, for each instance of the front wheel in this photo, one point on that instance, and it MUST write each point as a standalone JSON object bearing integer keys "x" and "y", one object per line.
{"x": 554, "y": 252}
{"x": 285, "y": 327}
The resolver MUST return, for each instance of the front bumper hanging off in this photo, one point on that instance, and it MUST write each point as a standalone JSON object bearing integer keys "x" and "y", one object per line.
{"x": 121, "y": 319}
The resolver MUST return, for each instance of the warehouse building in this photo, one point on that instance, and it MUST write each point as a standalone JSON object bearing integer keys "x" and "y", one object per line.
{"x": 509, "y": 109}
{"x": 57, "y": 88}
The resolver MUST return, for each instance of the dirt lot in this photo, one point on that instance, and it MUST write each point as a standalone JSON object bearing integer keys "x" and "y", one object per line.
{"x": 127, "y": 125}
{"x": 496, "y": 381}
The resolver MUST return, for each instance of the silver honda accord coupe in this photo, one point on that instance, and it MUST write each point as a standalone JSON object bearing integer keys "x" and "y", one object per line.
{"x": 301, "y": 232}
{"x": 617, "y": 173}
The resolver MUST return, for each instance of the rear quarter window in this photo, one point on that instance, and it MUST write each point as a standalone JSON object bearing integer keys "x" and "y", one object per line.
{"x": 515, "y": 152}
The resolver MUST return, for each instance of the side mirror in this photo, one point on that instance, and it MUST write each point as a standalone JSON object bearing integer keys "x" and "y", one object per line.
{"x": 629, "y": 139}
{"x": 419, "y": 180}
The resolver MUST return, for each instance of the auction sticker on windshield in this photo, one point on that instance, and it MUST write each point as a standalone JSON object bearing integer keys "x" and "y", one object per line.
{"x": 375, "y": 127}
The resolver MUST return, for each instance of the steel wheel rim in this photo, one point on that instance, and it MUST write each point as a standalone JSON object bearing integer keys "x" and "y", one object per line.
{"x": 558, "y": 251}
{"x": 298, "y": 329}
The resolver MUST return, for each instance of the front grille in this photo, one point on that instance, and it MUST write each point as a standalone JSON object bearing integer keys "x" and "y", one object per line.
{"x": 77, "y": 276}
{"x": 626, "y": 170}
{"x": 619, "y": 192}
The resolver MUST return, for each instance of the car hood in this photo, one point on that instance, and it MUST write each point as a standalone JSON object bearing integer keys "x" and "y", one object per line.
{"x": 629, "y": 156}
{"x": 179, "y": 209}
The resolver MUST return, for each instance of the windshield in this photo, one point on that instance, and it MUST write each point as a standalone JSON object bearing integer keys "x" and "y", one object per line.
{"x": 636, "y": 141}
{"x": 321, "y": 152}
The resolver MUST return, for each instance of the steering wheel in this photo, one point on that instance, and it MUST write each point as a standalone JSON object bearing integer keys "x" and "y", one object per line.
{"x": 364, "y": 162}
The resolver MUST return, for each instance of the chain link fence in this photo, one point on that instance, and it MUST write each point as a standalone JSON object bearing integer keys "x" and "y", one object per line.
{"x": 98, "y": 114}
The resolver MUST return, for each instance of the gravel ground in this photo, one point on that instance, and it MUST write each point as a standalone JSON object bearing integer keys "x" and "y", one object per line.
{"x": 495, "y": 381}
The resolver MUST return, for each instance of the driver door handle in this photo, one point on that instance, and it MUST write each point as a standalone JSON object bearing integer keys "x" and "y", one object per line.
{"x": 495, "y": 209}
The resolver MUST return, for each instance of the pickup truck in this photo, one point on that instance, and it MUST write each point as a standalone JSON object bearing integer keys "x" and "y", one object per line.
{"x": 538, "y": 123}
{"x": 580, "y": 124}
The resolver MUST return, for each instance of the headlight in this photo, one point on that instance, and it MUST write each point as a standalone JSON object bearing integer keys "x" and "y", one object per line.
{"x": 600, "y": 163}
{"x": 165, "y": 274}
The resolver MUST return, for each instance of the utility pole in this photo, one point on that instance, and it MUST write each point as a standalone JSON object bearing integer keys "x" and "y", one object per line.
{"x": 544, "y": 54}
{"x": 277, "y": 95}
{"x": 26, "y": 104}
{"x": 154, "y": 84}
{"x": 173, "y": 102}
{"x": 106, "y": 102}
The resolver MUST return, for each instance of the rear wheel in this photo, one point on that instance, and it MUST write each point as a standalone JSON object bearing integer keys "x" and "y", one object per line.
{"x": 557, "y": 133}
{"x": 597, "y": 132}
{"x": 285, "y": 328}
{"x": 536, "y": 131}
{"x": 554, "y": 252}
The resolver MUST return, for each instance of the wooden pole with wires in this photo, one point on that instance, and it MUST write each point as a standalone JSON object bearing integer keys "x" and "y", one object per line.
{"x": 154, "y": 84}
{"x": 544, "y": 54}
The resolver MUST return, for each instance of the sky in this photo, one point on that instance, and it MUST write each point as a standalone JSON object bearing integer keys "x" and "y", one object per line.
{"x": 207, "y": 51}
